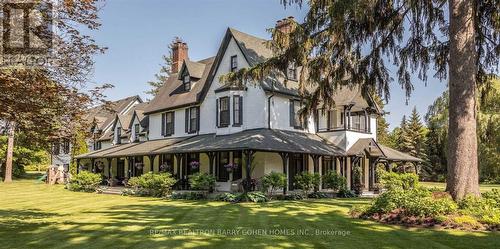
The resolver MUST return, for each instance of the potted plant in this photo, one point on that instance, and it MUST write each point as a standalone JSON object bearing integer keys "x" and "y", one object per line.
{"x": 139, "y": 165}
{"x": 100, "y": 165}
{"x": 230, "y": 167}
{"x": 165, "y": 167}
{"x": 194, "y": 165}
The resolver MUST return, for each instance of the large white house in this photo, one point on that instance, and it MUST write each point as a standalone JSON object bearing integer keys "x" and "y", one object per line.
{"x": 256, "y": 127}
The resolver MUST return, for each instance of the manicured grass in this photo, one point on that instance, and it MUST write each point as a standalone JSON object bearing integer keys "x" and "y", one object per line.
{"x": 40, "y": 216}
{"x": 441, "y": 185}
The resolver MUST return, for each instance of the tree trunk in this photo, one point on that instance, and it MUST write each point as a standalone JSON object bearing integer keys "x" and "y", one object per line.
{"x": 463, "y": 175}
{"x": 10, "y": 148}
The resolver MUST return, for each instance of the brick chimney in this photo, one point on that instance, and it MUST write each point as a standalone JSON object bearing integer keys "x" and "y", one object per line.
{"x": 179, "y": 54}
{"x": 285, "y": 24}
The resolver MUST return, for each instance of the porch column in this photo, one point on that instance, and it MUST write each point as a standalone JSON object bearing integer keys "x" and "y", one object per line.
{"x": 248, "y": 155}
{"x": 315, "y": 159}
{"x": 129, "y": 168}
{"x": 92, "y": 168}
{"x": 211, "y": 157}
{"x": 178, "y": 159}
{"x": 77, "y": 166}
{"x": 284, "y": 158}
{"x": 348, "y": 172}
{"x": 151, "y": 162}
{"x": 108, "y": 161}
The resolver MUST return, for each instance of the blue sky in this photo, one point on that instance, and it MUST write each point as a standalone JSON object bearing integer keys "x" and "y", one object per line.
{"x": 137, "y": 34}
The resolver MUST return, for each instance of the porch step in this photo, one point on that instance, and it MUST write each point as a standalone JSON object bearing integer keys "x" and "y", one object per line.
{"x": 113, "y": 190}
{"x": 368, "y": 194}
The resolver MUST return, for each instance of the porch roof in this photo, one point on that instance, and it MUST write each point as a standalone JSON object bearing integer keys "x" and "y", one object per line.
{"x": 257, "y": 139}
{"x": 370, "y": 146}
{"x": 145, "y": 148}
{"x": 394, "y": 155}
{"x": 102, "y": 152}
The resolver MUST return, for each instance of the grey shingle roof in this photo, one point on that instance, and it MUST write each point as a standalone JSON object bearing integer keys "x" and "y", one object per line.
{"x": 369, "y": 145}
{"x": 257, "y": 139}
{"x": 172, "y": 94}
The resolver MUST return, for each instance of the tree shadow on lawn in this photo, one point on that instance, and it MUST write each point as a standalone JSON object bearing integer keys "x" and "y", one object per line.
{"x": 152, "y": 224}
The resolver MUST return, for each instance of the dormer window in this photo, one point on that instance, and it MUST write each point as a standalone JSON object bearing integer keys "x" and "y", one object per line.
{"x": 234, "y": 63}
{"x": 291, "y": 73}
{"x": 118, "y": 135}
{"x": 186, "y": 80}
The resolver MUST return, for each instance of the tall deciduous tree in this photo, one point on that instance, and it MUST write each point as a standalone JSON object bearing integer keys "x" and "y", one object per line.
{"x": 46, "y": 102}
{"x": 350, "y": 42}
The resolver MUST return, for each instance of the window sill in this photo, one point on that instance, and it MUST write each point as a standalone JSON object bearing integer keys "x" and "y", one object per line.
{"x": 236, "y": 125}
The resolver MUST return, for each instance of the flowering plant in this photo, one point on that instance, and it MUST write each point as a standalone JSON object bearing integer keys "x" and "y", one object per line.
{"x": 165, "y": 167}
{"x": 230, "y": 167}
{"x": 100, "y": 165}
{"x": 138, "y": 165}
{"x": 194, "y": 164}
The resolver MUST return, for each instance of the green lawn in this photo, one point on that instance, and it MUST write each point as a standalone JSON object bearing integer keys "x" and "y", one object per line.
{"x": 34, "y": 215}
{"x": 441, "y": 185}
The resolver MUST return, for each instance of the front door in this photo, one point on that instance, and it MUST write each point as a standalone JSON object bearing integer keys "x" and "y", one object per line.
{"x": 297, "y": 165}
{"x": 120, "y": 170}
{"x": 222, "y": 160}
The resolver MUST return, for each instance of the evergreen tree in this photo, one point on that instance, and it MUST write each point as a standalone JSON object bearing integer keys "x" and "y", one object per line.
{"x": 382, "y": 125}
{"x": 348, "y": 43}
{"x": 416, "y": 133}
{"x": 162, "y": 76}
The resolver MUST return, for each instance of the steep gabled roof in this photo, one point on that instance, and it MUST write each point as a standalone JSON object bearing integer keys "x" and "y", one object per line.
{"x": 195, "y": 69}
{"x": 103, "y": 115}
{"x": 172, "y": 95}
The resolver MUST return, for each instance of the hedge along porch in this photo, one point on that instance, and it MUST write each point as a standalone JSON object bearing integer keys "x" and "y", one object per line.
{"x": 258, "y": 151}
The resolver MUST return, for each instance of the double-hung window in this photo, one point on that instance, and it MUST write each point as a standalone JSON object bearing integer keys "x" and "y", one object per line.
{"x": 168, "y": 120}
{"x": 237, "y": 110}
{"x": 295, "y": 118}
{"x": 192, "y": 119}
{"x": 56, "y": 148}
{"x": 66, "y": 146}
{"x": 118, "y": 135}
{"x": 186, "y": 80}
{"x": 234, "y": 63}
{"x": 224, "y": 112}
{"x": 137, "y": 130}
{"x": 291, "y": 72}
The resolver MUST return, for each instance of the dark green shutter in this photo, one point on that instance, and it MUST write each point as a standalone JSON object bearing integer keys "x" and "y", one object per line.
{"x": 217, "y": 112}
{"x": 292, "y": 114}
{"x": 186, "y": 114}
{"x": 163, "y": 120}
{"x": 241, "y": 109}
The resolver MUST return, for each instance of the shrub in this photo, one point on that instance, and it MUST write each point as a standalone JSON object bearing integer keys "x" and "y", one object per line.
{"x": 151, "y": 184}
{"x": 493, "y": 195}
{"x": 357, "y": 211}
{"x": 252, "y": 197}
{"x": 334, "y": 181}
{"x": 188, "y": 196}
{"x": 413, "y": 202}
{"x": 290, "y": 197}
{"x": 486, "y": 210}
{"x": 317, "y": 195}
{"x": 392, "y": 180}
{"x": 227, "y": 197}
{"x": 273, "y": 181}
{"x": 307, "y": 181}
{"x": 465, "y": 221}
{"x": 345, "y": 193}
{"x": 85, "y": 181}
{"x": 202, "y": 181}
